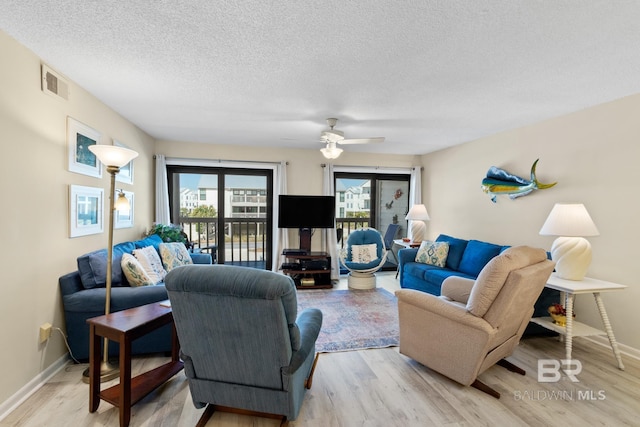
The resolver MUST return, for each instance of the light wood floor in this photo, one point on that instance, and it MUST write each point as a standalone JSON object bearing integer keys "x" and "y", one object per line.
{"x": 382, "y": 388}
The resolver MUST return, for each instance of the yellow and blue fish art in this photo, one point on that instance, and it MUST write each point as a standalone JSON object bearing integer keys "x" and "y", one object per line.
{"x": 498, "y": 181}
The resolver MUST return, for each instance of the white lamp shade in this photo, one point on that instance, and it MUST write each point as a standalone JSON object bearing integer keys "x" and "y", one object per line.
{"x": 121, "y": 203}
{"x": 331, "y": 151}
{"x": 418, "y": 213}
{"x": 112, "y": 155}
{"x": 570, "y": 220}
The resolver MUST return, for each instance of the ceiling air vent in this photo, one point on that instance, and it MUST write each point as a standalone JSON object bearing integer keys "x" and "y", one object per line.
{"x": 53, "y": 84}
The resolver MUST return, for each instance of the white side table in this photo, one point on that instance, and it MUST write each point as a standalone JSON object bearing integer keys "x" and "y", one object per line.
{"x": 569, "y": 289}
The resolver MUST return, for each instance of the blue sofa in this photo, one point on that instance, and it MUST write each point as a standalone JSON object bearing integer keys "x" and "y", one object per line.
{"x": 466, "y": 258}
{"x": 83, "y": 297}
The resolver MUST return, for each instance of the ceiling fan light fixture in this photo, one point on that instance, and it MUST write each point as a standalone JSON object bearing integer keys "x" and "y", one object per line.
{"x": 331, "y": 151}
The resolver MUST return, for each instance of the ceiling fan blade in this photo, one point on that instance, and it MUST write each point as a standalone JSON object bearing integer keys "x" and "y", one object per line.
{"x": 362, "y": 140}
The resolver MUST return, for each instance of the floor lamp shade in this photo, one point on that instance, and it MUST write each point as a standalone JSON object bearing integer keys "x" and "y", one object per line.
{"x": 112, "y": 155}
{"x": 571, "y": 251}
{"x": 418, "y": 215}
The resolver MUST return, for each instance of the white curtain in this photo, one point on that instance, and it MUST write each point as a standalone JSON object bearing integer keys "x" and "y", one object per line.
{"x": 163, "y": 215}
{"x": 415, "y": 190}
{"x": 329, "y": 237}
{"x": 280, "y": 235}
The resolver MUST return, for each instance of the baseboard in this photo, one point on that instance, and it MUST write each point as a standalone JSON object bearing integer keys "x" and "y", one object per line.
{"x": 624, "y": 349}
{"x": 32, "y": 386}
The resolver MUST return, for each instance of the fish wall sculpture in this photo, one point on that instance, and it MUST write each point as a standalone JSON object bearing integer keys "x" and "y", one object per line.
{"x": 499, "y": 181}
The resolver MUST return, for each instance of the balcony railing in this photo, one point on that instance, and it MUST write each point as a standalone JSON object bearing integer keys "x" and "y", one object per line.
{"x": 345, "y": 226}
{"x": 244, "y": 240}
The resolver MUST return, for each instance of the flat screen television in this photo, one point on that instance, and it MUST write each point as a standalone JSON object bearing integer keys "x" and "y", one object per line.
{"x": 296, "y": 211}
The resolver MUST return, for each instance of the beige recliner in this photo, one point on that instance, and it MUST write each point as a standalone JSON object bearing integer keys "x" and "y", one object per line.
{"x": 474, "y": 324}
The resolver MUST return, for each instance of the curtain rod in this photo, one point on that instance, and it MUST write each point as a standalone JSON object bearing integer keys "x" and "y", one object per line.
{"x": 324, "y": 165}
{"x": 174, "y": 159}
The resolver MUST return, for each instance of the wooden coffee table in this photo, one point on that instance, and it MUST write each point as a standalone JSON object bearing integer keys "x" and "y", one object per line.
{"x": 124, "y": 327}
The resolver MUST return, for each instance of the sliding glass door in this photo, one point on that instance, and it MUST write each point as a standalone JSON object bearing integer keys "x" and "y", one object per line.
{"x": 371, "y": 200}
{"x": 225, "y": 211}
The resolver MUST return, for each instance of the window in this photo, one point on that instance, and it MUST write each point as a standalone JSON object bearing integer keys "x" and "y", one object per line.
{"x": 219, "y": 209}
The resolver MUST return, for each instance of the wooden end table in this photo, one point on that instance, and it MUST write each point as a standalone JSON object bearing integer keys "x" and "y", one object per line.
{"x": 124, "y": 327}
{"x": 568, "y": 291}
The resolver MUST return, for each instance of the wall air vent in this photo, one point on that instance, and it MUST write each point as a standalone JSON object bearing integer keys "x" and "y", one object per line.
{"x": 53, "y": 84}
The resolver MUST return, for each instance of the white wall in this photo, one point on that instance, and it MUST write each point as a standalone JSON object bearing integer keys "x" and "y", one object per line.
{"x": 36, "y": 248}
{"x": 593, "y": 154}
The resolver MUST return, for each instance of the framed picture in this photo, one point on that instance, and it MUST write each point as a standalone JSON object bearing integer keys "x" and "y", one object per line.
{"x": 126, "y": 172}
{"x": 79, "y": 138}
{"x": 86, "y": 210}
{"x": 122, "y": 218}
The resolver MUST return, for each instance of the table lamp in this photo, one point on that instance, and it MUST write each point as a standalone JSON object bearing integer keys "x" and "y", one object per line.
{"x": 114, "y": 158}
{"x": 571, "y": 251}
{"x": 418, "y": 215}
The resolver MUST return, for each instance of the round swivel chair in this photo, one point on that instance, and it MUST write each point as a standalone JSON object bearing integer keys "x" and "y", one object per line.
{"x": 363, "y": 255}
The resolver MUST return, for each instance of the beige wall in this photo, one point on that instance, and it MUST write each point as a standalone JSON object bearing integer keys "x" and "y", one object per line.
{"x": 36, "y": 248}
{"x": 593, "y": 154}
{"x": 304, "y": 171}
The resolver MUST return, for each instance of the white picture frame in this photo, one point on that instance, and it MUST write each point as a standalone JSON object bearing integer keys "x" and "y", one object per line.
{"x": 124, "y": 219}
{"x": 86, "y": 210}
{"x": 79, "y": 138}
{"x": 126, "y": 172}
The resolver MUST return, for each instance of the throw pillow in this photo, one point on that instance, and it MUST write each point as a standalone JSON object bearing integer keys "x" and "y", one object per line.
{"x": 134, "y": 272}
{"x": 174, "y": 255}
{"x": 433, "y": 253}
{"x": 364, "y": 254}
{"x": 476, "y": 255}
{"x": 456, "y": 250}
{"x": 93, "y": 266}
{"x": 150, "y": 261}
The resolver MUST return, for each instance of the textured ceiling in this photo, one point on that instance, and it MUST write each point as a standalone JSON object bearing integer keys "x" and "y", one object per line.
{"x": 424, "y": 74}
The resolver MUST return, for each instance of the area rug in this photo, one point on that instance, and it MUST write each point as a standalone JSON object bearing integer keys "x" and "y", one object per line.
{"x": 353, "y": 319}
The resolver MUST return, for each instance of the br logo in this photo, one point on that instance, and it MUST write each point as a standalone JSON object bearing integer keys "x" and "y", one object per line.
{"x": 549, "y": 370}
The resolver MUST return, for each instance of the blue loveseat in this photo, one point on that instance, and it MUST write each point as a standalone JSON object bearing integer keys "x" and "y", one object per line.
{"x": 83, "y": 297}
{"x": 466, "y": 258}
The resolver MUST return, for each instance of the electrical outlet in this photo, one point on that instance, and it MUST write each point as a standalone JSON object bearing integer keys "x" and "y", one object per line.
{"x": 45, "y": 332}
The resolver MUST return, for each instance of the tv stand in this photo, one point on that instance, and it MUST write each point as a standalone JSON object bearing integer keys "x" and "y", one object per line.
{"x": 315, "y": 267}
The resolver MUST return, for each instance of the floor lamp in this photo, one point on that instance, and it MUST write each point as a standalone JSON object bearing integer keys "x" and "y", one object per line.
{"x": 114, "y": 158}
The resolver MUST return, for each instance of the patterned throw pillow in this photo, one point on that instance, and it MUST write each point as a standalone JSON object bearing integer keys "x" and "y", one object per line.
{"x": 150, "y": 261}
{"x": 433, "y": 253}
{"x": 364, "y": 254}
{"x": 134, "y": 272}
{"x": 174, "y": 255}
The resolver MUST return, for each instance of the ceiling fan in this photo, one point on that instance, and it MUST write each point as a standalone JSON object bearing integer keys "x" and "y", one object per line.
{"x": 333, "y": 136}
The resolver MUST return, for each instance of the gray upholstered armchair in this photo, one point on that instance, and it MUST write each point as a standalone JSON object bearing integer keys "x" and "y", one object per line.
{"x": 474, "y": 325}
{"x": 242, "y": 343}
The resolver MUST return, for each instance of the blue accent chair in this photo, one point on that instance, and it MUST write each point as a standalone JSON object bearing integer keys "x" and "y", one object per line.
{"x": 244, "y": 346}
{"x": 362, "y": 273}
